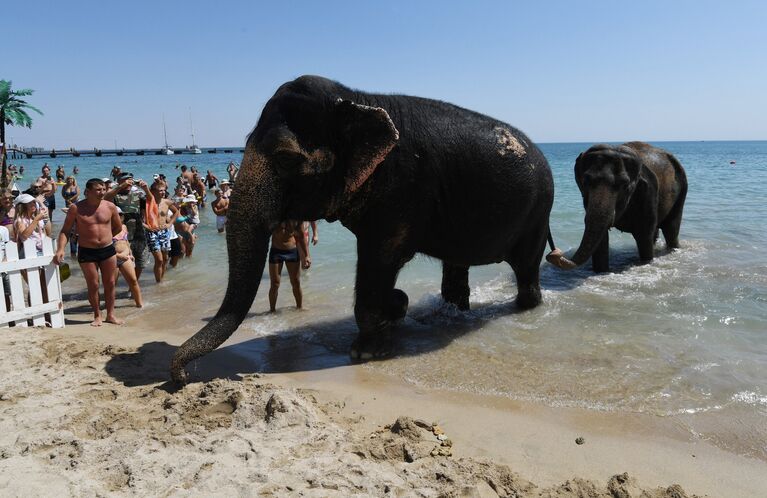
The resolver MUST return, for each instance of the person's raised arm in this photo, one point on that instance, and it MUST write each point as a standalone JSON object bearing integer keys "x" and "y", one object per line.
{"x": 117, "y": 225}
{"x": 61, "y": 243}
{"x": 110, "y": 195}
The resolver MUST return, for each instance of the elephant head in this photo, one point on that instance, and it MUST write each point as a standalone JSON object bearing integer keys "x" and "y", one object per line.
{"x": 308, "y": 155}
{"x": 607, "y": 177}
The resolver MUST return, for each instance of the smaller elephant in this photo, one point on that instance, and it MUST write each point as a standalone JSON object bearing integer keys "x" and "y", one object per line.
{"x": 634, "y": 187}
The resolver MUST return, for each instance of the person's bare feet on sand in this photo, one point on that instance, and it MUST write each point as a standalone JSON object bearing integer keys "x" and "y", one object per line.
{"x": 96, "y": 322}
{"x": 114, "y": 320}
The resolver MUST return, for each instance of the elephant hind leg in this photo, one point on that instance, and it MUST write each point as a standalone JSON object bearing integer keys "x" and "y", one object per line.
{"x": 455, "y": 285}
{"x": 672, "y": 224}
{"x": 525, "y": 259}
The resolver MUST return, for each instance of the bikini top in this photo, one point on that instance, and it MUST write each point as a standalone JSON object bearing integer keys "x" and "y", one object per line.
{"x": 123, "y": 235}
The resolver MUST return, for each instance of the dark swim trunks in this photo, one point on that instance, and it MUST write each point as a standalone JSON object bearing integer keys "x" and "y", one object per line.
{"x": 175, "y": 247}
{"x": 283, "y": 255}
{"x": 89, "y": 255}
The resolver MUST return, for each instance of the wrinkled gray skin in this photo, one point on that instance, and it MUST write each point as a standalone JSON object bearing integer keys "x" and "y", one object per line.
{"x": 406, "y": 175}
{"x": 634, "y": 187}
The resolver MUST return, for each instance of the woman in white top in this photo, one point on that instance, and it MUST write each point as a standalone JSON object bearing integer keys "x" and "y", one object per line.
{"x": 30, "y": 222}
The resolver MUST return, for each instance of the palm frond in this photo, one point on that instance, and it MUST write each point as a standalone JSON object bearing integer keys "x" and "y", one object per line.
{"x": 23, "y": 92}
{"x": 14, "y": 109}
{"x": 5, "y": 91}
{"x": 17, "y": 117}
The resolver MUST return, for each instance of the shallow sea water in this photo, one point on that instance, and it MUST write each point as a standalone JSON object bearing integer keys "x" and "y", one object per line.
{"x": 682, "y": 337}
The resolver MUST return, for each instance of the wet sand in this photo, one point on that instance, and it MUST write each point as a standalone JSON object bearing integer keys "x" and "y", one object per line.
{"x": 89, "y": 411}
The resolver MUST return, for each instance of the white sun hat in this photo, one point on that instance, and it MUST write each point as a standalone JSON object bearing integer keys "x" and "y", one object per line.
{"x": 23, "y": 199}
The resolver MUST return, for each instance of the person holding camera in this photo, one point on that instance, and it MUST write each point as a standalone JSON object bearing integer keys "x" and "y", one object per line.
{"x": 130, "y": 196}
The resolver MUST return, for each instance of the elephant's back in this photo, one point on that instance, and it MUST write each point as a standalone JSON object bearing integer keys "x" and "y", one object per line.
{"x": 672, "y": 180}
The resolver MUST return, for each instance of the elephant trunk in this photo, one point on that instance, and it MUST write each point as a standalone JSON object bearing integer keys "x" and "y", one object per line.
{"x": 247, "y": 245}
{"x": 600, "y": 215}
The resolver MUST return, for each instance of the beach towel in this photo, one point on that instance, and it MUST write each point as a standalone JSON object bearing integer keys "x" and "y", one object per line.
{"x": 152, "y": 213}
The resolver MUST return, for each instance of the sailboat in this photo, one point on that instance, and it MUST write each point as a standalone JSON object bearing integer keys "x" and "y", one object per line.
{"x": 192, "y": 149}
{"x": 165, "y": 151}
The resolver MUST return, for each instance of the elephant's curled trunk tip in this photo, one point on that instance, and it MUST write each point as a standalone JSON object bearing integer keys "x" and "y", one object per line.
{"x": 558, "y": 259}
{"x": 177, "y": 371}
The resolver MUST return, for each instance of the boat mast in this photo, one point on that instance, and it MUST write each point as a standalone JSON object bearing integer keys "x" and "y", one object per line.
{"x": 164, "y": 132}
{"x": 191, "y": 126}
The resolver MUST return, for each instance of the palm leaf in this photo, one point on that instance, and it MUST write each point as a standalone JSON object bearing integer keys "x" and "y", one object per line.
{"x": 23, "y": 92}
{"x": 17, "y": 117}
{"x": 5, "y": 91}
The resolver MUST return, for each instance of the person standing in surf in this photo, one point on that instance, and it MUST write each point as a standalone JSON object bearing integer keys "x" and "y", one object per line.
{"x": 97, "y": 222}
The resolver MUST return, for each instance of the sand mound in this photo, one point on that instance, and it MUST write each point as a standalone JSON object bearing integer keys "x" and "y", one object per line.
{"x": 68, "y": 427}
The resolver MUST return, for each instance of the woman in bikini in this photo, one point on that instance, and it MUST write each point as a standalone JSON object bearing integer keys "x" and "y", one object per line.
{"x": 70, "y": 191}
{"x": 125, "y": 262}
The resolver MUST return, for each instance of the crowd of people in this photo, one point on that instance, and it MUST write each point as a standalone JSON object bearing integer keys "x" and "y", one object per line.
{"x": 115, "y": 221}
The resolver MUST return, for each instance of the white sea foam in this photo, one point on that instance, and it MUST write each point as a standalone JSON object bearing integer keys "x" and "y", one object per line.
{"x": 750, "y": 398}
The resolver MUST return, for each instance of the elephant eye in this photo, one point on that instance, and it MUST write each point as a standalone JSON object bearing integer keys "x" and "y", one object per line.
{"x": 622, "y": 180}
{"x": 288, "y": 163}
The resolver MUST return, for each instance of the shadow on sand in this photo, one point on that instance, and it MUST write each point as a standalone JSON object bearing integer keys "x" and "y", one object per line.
{"x": 306, "y": 348}
{"x": 326, "y": 344}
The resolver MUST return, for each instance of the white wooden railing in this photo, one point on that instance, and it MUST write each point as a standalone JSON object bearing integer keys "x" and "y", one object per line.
{"x": 35, "y": 308}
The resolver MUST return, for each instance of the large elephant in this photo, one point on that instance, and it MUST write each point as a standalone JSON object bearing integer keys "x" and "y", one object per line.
{"x": 634, "y": 187}
{"x": 405, "y": 175}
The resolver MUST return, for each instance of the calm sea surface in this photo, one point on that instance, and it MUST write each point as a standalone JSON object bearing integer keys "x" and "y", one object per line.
{"x": 683, "y": 337}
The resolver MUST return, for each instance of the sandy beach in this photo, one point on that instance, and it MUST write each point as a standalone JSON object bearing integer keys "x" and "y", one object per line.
{"x": 89, "y": 411}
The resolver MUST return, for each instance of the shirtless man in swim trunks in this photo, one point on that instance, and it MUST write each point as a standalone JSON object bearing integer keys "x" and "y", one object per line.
{"x": 289, "y": 247}
{"x": 221, "y": 207}
{"x": 211, "y": 180}
{"x": 198, "y": 186}
{"x": 157, "y": 231}
{"x": 97, "y": 222}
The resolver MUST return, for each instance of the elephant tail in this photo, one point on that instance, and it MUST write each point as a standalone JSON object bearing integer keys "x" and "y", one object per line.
{"x": 556, "y": 257}
{"x": 551, "y": 241}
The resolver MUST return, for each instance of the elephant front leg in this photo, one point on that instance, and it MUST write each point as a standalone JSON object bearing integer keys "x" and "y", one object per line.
{"x": 455, "y": 285}
{"x": 600, "y": 259}
{"x": 377, "y": 305}
{"x": 645, "y": 244}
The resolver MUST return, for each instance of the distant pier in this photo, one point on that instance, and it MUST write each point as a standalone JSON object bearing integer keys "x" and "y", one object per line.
{"x": 16, "y": 153}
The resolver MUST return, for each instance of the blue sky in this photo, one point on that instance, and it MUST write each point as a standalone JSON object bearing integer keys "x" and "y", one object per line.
{"x": 561, "y": 71}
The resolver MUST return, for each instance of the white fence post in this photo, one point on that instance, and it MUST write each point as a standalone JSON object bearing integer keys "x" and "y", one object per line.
{"x": 53, "y": 283}
{"x": 38, "y": 269}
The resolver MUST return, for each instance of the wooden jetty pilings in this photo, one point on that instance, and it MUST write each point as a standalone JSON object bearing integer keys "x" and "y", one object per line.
{"x": 16, "y": 153}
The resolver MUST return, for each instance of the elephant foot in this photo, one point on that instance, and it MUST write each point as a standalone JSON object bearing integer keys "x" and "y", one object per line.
{"x": 397, "y": 308}
{"x": 372, "y": 346}
{"x": 528, "y": 298}
{"x": 460, "y": 302}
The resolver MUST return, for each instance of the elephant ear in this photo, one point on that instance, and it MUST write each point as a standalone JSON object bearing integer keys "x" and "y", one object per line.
{"x": 632, "y": 164}
{"x": 367, "y": 135}
{"x": 576, "y": 169}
